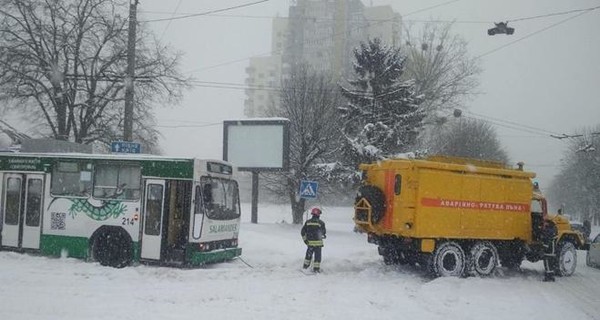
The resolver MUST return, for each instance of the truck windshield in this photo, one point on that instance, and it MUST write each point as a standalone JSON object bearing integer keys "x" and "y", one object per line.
{"x": 220, "y": 198}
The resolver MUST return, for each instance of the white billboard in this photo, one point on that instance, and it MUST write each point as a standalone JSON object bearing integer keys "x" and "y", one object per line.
{"x": 257, "y": 144}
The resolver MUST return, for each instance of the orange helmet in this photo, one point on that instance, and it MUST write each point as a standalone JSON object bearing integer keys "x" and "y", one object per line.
{"x": 315, "y": 211}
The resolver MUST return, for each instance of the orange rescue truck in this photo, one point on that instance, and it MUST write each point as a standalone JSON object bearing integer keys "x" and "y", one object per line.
{"x": 458, "y": 216}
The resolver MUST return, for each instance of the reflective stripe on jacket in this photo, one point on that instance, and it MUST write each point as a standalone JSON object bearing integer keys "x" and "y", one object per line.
{"x": 313, "y": 232}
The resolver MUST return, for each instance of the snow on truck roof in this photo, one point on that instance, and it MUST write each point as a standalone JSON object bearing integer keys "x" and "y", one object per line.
{"x": 453, "y": 164}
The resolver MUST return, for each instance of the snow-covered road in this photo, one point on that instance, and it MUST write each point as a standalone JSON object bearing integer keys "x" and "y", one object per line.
{"x": 354, "y": 285}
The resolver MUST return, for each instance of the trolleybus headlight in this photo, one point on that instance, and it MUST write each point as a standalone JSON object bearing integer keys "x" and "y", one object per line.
{"x": 408, "y": 225}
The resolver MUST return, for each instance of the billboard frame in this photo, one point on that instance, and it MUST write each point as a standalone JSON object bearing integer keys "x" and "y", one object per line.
{"x": 285, "y": 123}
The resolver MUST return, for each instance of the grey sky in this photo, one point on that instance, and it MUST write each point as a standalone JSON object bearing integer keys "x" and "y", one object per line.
{"x": 549, "y": 81}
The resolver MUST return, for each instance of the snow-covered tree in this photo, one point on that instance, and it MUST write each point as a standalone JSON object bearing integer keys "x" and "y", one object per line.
{"x": 309, "y": 100}
{"x": 576, "y": 189}
{"x": 440, "y": 64}
{"x": 383, "y": 115}
{"x": 468, "y": 138}
{"x": 63, "y": 66}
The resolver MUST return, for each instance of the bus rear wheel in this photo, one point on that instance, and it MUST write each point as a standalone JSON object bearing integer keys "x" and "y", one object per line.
{"x": 113, "y": 249}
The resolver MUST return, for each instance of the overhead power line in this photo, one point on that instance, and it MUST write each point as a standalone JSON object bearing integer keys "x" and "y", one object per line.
{"x": 511, "y": 123}
{"x": 207, "y": 12}
{"x": 14, "y": 134}
{"x": 316, "y": 19}
{"x": 339, "y": 34}
{"x": 312, "y": 18}
{"x": 430, "y": 8}
{"x": 566, "y": 136}
{"x": 172, "y": 15}
{"x": 522, "y": 127}
{"x": 470, "y": 115}
{"x": 509, "y": 126}
{"x": 536, "y": 32}
{"x": 554, "y": 14}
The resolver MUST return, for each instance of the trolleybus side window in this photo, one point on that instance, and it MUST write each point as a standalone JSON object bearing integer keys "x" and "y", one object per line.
{"x": 112, "y": 181}
{"x": 71, "y": 179}
{"x": 13, "y": 201}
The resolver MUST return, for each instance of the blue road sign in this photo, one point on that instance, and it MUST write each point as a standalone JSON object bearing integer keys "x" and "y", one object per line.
{"x": 308, "y": 189}
{"x": 125, "y": 147}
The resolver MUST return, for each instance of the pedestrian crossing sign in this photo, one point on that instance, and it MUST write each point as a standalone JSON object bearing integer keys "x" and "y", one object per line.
{"x": 308, "y": 189}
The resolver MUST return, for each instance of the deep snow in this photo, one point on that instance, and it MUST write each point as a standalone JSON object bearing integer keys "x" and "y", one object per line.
{"x": 355, "y": 284}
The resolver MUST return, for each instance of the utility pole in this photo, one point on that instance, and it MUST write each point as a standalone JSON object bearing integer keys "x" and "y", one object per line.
{"x": 129, "y": 79}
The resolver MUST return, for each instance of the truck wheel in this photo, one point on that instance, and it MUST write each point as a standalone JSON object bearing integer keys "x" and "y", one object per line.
{"x": 483, "y": 258}
{"x": 448, "y": 260}
{"x": 376, "y": 198}
{"x": 566, "y": 256}
{"x": 113, "y": 249}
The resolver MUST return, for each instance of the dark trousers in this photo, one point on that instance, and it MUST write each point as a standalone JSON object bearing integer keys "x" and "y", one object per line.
{"x": 309, "y": 255}
{"x": 549, "y": 261}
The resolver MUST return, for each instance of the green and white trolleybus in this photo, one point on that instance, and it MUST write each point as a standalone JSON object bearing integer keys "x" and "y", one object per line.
{"x": 119, "y": 209}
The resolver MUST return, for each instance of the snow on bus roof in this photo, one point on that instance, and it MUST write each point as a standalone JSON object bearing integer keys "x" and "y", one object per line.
{"x": 124, "y": 156}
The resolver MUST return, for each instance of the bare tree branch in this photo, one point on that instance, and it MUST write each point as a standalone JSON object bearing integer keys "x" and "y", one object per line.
{"x": 440, "y": 64}
{"x": 309, "y": 100}
{"x": 64, "y": 61}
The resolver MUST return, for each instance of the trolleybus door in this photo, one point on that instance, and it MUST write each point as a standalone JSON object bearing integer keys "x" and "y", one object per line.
{"x": 153, "y": 219}
{"x": 33, "y": 207}
{"x": 22, "y": 208}
{"x": 12, "y": 209}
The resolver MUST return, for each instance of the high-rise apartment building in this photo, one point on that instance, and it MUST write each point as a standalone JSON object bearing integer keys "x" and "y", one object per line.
{"x": 319, "y": 33}
{"x": 383, "y": 23}
{"x": 263, "y": 81}
{"x": 264, "y": 73}
{"x": 322, "y": 34}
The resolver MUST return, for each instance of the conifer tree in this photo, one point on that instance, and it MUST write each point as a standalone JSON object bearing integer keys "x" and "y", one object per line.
{"x": 383, "y": 115}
